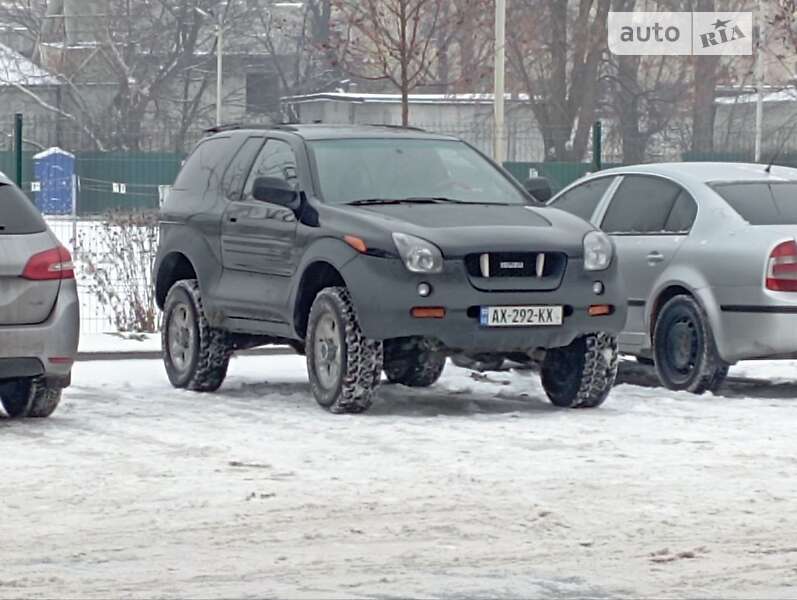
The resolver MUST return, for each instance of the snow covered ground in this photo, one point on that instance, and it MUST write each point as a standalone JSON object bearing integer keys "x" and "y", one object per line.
{"x": 477, "y": 487}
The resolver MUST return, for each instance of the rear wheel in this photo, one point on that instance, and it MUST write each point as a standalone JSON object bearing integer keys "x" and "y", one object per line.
{"x": 412, "y": 362}
{"x": 196, "y": 355}
{"x": 29, "y": 398}
{"x": 582, "y": 374}
{"x": 344, "y": 367}
{"x": 685, "y": 353}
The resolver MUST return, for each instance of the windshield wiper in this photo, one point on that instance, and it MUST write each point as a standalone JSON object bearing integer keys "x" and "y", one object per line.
{"x": 384, "y": 201}
{"x": 418, "y": 200}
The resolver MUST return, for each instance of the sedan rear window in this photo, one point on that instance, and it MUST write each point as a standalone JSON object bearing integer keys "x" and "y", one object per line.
{"x": 762, "y": 203}
{"x": 18, "y": 216}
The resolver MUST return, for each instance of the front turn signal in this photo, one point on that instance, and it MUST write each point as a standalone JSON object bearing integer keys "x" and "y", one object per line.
{"x": 356, "y": 243}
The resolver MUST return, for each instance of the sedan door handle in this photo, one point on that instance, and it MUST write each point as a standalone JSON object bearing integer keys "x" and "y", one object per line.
{"x": 233, "y": 219}
{"x": 655, "y": 258}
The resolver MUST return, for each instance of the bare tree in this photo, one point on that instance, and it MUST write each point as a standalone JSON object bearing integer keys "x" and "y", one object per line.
{"x": 644, "y": 93}
{"x": 129, "y": 70}
{"x": 398, "y": 41}
{"x": 555, "y": 50}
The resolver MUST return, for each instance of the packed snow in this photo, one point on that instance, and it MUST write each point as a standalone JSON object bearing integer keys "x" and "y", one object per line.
{"x": 475, "y": 487}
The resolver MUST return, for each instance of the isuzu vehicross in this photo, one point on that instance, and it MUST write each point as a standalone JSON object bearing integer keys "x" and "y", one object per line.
{"x": 374, "y": 249}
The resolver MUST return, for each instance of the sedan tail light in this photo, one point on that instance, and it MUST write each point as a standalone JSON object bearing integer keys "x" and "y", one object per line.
{"x": 782, "y": 268}
{"x": 50, "y": 264}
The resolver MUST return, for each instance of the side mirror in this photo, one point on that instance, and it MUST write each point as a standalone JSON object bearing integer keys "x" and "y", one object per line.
{"x": 275, "y": 191}
{"x": 539, "y": 188}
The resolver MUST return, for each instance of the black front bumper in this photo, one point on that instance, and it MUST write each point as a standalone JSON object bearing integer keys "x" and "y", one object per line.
{"x": 385, "y": 292}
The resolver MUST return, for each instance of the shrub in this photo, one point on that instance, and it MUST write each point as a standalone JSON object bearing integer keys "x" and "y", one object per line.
{"x": 115, "y": 261}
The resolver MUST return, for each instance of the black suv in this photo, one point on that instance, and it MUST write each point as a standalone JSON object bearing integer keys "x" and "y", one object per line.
{"x": 378, "y": 248}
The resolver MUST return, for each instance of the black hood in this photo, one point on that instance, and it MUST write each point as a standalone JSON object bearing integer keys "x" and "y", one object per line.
{"x": 465, "y": 229}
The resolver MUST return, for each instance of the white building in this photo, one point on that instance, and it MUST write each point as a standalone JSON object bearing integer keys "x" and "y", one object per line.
{"x": 468, "y": 116}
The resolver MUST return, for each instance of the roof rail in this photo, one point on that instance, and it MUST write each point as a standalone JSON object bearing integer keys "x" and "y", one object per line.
{"x": 236, "y": 126}
{"x": 391, "y": 126}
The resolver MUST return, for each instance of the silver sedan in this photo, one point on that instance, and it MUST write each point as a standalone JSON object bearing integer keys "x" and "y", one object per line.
{"x": 39, "y": 320}
{"x": 709, "y": 257}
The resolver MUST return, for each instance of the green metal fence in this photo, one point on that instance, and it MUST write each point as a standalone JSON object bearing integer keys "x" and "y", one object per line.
{"x": 109, "y": 180}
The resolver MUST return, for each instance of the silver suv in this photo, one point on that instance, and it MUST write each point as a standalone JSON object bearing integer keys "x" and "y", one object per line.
{"x": 39, "y": 315}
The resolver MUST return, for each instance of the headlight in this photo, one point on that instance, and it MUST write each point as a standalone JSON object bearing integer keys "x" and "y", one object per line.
{"x": 419, "y": 256}
{"x": 598, "y": 251}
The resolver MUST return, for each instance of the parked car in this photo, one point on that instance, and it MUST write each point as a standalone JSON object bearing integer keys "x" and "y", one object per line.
{"x": 39, "y": 314}
{"x": 377, "y": 248}
{"x": 709, "y": 257}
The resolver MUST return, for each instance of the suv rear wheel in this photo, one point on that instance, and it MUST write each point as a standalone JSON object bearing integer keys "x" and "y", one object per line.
{"x": 582, "y": 374}
{"x": 684, "y": 349}
{"x": 412, "y": 362}
{"x": 343, "y": 365}
{"x": 29, "y": 398}
{"x": 196, "y": 355}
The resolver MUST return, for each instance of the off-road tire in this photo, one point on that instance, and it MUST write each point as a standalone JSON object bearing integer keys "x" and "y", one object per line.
{"x": 29, "y": 398}
{"x": 582, "y": 374}
{"x": 212, "y": 349}
{"x": 707, "y": 370}
{"x": 413, "y": 362}
{"x": 361, "y": 359}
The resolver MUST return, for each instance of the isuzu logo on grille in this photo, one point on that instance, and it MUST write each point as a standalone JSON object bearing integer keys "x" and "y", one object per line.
{"x": 513, "y": 265}
{"x": 484, "y": 264}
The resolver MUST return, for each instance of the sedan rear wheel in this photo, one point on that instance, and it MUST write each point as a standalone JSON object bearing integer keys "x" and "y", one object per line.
{"x": 29, "y": 398}
{"x": 685, "y": 353}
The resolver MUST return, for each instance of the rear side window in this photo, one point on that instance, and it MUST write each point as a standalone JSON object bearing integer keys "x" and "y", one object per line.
{"x": 17, "y": 214}
{"x": 762, "y": 203}
{"x": 641, "y": 205}
{"x": 205, "y": 167}
{"x": 582, "y": 200}
{"x": 683, "y": 214}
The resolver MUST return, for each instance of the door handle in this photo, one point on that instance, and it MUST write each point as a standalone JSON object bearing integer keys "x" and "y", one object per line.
{"x": 655, "y": 258}
{"x": 233, "y": 219}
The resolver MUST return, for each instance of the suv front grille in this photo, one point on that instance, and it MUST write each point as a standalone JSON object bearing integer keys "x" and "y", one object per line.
{"x": 536, "y": 265}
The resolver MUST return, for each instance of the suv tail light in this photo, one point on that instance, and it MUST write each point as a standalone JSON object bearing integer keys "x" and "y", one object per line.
{"x": 50, "y": 264}
{"x": 782, "y": 268}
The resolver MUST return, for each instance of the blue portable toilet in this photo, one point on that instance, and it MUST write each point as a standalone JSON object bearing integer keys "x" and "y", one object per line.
{"x": 54, "y": 170}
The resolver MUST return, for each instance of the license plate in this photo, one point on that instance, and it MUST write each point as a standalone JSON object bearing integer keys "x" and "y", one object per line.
{"x": 521, "y": 316}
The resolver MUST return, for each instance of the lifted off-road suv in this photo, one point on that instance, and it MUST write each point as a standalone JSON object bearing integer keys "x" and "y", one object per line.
{"x": 378, "y": 249}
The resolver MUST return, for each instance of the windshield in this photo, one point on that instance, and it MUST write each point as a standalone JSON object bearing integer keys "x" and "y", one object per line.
{"x": 762, "y": 203}
{"x": 351, "y": 170}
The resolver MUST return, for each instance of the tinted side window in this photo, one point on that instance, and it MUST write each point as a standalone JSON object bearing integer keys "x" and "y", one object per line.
{"x": 235, "y": 176}
{"x": 641, "y": 205}
{"x": 205, "y": 166}
{"x": 17, "y": 213}
{"x": 683, "y": 214}
{"x": 583, "y": 199}
{"x": 275, "y": 160}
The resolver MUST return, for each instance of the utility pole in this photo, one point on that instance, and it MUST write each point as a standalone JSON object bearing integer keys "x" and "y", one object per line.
{"x": 219, "y": 16}
{"x": 499, "y": 153}
{"x": 759, "y": 76}
{"x": 219, "y": 66}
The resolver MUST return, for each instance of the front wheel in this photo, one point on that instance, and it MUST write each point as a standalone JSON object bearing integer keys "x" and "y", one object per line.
{"x": 582, "y": 374}
{"x": 344, "y": 367}
{"x": 684, "y": 349}
{"x": 196, "y": 355}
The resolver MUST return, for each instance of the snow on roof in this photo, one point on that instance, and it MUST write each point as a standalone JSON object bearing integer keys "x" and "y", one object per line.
{"x": 51, "y": 151}
{"x": 396, "y": 98}
{"x": 15, "y": 69}
{"x": 785, "y": 95}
